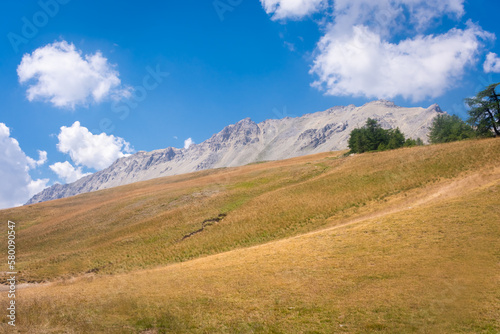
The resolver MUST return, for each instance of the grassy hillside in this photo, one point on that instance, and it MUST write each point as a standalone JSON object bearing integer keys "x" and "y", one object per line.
{"x": 398, "y": 241}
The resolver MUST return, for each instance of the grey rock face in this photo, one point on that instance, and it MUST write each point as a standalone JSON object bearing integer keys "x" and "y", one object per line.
{"x": 246, "y": 142}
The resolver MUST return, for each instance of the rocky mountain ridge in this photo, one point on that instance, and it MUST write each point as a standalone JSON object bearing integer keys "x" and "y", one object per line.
{"x": 247, "y": 142}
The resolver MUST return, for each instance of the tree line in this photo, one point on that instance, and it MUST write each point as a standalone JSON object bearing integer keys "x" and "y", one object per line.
{"x": 483, "y": 121}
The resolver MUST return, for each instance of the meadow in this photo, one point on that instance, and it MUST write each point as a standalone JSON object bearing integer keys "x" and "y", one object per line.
{"x": 402, "y": 241}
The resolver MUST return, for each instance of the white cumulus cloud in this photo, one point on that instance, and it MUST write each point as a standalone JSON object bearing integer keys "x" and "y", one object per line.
{"x": 390, "y": 16}
{"x": 17, "y": 186}
{"x": 58, "y": 73}
{"x": 380, "y": 49}
{"x": 188, "y": 142}
{"x": 492, "y": 63}
{"x": 379, "y": 12}
{"x": 294, "y": 9}
{"x": 65, "y": 171}
{"x": 91, "y": 150}
{"x": 42, "y": 159}
{"x": 363, "y": 64}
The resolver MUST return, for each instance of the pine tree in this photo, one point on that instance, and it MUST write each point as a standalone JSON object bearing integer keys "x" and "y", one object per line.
{"x": 484, "y": 112}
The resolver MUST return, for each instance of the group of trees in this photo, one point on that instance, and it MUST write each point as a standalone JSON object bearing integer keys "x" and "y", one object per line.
{"x": 483, "y": 121}
{"x": 447, "y": 128}
{"x": 372, "y": 137}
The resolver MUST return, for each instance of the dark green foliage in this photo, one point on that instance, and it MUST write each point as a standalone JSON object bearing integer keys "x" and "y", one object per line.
{"x": 484, "y": 112}
{"x": 396, "y": 139}
{"x": 372, "y": 137}
{"x": 447, "y": 128}
{"x": 412, "y": 142}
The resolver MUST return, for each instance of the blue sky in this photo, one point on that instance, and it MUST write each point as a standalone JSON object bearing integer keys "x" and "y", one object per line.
{"x": 79, "y": 87}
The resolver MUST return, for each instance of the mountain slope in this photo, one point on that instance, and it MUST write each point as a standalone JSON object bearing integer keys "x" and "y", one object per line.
{"x": 402, "y": 241}
{"x": 246, "y": 142}
{"x": 143, "y": 224}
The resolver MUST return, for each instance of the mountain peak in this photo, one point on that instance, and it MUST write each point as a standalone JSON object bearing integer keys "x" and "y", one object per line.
{"x": 435, "y": 108}
{"x": 246, "y": 120}
{"x": 382, "y": 102}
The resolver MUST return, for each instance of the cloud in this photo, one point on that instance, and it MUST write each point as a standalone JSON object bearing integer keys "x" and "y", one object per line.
{"x": 289, "y": 46}
{"x": 59, "y": 74}
{"x": 17, "y": 185}
{"x": 492, "y": 63}
{"x": 35, "y": 186}
{"x": 188, "y": 142}
{"x": 387, "y": 17}
{"x": 380, "y": 48}
{"x": 42, "y": 159}
{"x": 416, "y": 68}
{"x": 292, "y": 9}
{"x": 90, "y": 150}
{"x": 352, "y": 12}
{"x": 65, "y": 171}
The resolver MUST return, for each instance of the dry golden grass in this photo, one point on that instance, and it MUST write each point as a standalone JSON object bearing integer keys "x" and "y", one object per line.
{"x": 139, "y": 226}
{"x": 429, "y": 269}
{"x": 395, "y": 242}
